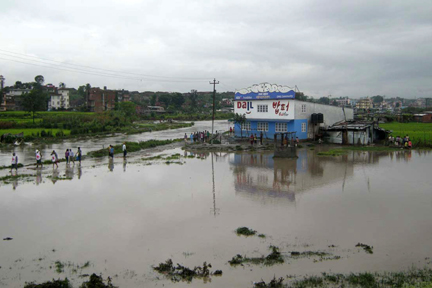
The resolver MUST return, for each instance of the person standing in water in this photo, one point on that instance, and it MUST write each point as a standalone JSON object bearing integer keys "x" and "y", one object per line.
{"x": 79, "y": 155}
{"x": 67, "y": 156}
{"x": 54, "y": 158}
{"x": 38, "y": 159}
{"x": 14, "y": 162}
{"x": 124, "y": 150}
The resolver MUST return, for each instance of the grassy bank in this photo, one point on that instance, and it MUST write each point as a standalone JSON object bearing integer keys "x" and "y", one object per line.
{"x": 408, "y": 279}
{"x": 35, "y": 132}
{"x": 132, "y": 147}
{"x": 419, "y": 133}
{"x": 344, "y": 150}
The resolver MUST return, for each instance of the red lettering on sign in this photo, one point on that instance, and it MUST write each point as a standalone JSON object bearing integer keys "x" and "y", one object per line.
{"x": 244, "y": 105}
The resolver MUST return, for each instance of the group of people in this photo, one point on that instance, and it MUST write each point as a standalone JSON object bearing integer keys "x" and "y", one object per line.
{"x": 404, "y": 142}
{"x": 111, "y": 151}
{"x": 254, "y": 139}
{"x": 203, "y": 136}
{"x": 69, "y": 156}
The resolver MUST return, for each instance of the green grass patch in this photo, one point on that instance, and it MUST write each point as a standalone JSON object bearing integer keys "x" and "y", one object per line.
{"x": 34, "y": 131}
{"x": 132, "y": 147}
{"x": 9, "y": 178}
{"x": 420, "y": 134}
{"x": 332, "y": 152}
{"x": 371, "y": 148}
{"x": 406, "y": 279}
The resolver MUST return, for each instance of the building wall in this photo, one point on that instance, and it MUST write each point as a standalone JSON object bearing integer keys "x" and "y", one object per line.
{"x": 297, "y": 115}
{"x": 101, "y": 100}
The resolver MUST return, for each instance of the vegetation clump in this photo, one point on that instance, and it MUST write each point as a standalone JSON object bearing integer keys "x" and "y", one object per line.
{"x": 50, "y": 284}
{"x": 274, "y": 283}
{"x": 367, "y": 248}
{"x": 97, "y": 282}
{"x": 245, "y": 231}
{"x": 274, "y": 257}
{"x": 180, "y": 272}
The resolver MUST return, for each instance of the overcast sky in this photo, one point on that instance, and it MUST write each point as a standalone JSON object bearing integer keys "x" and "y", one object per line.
{"x": 354, "y": 48}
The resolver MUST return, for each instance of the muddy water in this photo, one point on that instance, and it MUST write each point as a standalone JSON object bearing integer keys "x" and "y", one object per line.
{"x": 125, "y": 217}
{"x": 26, "y": 153}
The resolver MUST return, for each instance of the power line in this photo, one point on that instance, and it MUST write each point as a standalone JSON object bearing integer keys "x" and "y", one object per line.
{"x": 81, "y": 71}
{"x": 94, "y": 68}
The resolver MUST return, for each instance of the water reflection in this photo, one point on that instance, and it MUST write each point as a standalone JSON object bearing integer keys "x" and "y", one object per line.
{"x": 124, "y": 164}
{"x": 111, "y": 164}
{"x": 262, "y": 176}
{"x": 69, "y": 172}
{"x": 54, "y": 176}
{"x": 15, "y": 180}
{"x": 38, "y": 176}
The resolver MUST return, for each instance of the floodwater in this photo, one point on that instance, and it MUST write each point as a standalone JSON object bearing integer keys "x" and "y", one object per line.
{"x": 26, "y": 153}
{"x": 124, "y": 217}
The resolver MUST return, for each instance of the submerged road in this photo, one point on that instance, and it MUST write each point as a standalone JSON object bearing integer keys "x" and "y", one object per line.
{"x": 26, "y": 153}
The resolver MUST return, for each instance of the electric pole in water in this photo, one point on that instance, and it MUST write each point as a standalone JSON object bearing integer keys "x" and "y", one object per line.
{"x": 214, "y": 106}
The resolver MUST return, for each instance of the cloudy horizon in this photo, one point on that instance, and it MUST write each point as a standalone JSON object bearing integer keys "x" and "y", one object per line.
{"x": 338, "y": 48}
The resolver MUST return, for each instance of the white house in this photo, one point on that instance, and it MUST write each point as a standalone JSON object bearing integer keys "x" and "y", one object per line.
{"x": 59, "y": 100}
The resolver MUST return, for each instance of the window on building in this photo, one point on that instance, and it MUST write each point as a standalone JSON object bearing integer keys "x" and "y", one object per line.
{"x": 262, "y": 108}
{"x": 246, "y": 126}
{"x": 303, "y": 127}
{"x": 303, "y": 107}
{"x": 281, "y": 127}
{"x": 262, "y": 126}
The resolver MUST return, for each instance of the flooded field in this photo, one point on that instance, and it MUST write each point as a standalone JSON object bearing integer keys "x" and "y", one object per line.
{"x": 90, "y": 143}
{"x": 121, "y": 218}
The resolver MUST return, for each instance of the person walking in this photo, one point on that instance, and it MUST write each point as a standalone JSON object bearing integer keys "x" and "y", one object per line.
{"x": 38, "y": 159}
{"x": 251, "y": 139}
{"x": 67, "y": 156}
{"x": 111, "y": 151}
{"x": 124, "y": 150}
{"x": 54, "y": 158}
{"x": 261, "y": 137}
{"x": 79, "y": 155}
{"x": 185, "y": 138}
{"x": 71, "y": 156}
{"x": 14, "y": 162}
{"x": 191, "y": 138}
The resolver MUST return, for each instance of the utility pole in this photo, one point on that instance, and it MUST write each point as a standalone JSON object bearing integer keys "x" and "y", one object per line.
{"x": 214, "y": 105}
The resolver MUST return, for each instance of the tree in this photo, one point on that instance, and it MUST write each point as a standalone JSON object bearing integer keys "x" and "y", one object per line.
{"x": 166, "y": 99}
{"x": 177, "y": 99}
{"x": 127, "y": 110}
{"x": 300, "y": 96}
{"x": 34, "y": 101}
{"x": 377, "y": 99}
{"x": 39, "y": 79}
{"x": 240, "y": 119}
{"x": 153, "y": 100}
{"x": 324, "y": 100}
{"x": 193, "y": 99}
{"x": 18, "y": 85}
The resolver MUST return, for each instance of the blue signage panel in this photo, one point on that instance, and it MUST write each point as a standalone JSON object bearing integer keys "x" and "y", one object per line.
{"x": 265, "y": 95}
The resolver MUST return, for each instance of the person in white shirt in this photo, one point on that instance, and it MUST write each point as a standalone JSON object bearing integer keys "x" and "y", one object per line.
{"x": 14, "y": 162}
{"x": 124, "y": 150}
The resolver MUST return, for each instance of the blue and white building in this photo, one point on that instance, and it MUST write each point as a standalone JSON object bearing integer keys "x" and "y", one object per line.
{"x": 272, "y": 108}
